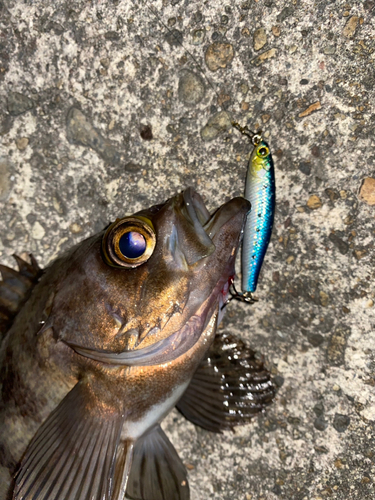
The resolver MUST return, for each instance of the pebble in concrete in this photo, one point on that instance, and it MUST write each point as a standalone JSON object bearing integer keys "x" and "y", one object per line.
{"x": 367, "y": 191}
{"x": 175, "y": 38}
{"x": 18, "y": 103}
{"x": 37, "y": 231}
{"x": 339, "y": 243}
{"x": 191, "y": 88}
{"x": 329, "y": 50}
{"x": 79, "y": 130}
{"x": 265, "y": 56}
{"x": 314, "y": 202}
{"x": 6, "y": 123}
{"x": 4, "y": 180}
{"x": 75, "y": 228}
{"x": 305, "y": 167}
{"x": 350, "y": 27}
{"x": 219, "y": 55}
{"x": 198, "y": 36}
{"x": 22, "y": 143}
{"x": 315, "y": 339}
{"x": 260, "y": 38}
{"x": 215, "y": 125}
{"x": 341, "y": 422}
{"x": 337, "y": 346}
{"x": 320, "y": 424}
{"x": 313, "y": 107}
{"x": 146, "y": 132}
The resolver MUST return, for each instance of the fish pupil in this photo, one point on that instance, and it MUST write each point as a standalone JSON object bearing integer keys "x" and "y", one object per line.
{"x": 132, "y": 244}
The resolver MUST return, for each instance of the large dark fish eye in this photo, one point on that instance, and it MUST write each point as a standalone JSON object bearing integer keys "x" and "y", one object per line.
{"x": 129, "y": 242}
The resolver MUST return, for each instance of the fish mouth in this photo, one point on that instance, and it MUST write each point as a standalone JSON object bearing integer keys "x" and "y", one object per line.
{"x": 202, "y": 322}
{"x": 165, "y": 350}
{"x": 208, "y": 232}
{"x": 205, "y": 225}
{"x": 195, "y": 208}
{"x": 208, "y": 226}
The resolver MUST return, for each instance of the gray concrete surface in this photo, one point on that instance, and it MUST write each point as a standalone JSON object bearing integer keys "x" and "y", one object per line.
{"x": 103, "y": 111}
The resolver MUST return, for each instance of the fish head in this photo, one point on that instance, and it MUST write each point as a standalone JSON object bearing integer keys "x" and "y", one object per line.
{"x": 143, "y": 290}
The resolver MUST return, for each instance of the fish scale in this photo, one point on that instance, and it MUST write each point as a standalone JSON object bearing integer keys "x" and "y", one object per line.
{"x": 260, "y": 191}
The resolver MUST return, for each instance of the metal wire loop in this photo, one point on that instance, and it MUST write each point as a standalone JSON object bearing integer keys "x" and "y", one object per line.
{"x": 246, "y": 297}
{"x": 255, "y": 137}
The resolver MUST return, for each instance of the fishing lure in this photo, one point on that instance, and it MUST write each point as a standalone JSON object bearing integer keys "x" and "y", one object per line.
{"x": 260, "y": 191}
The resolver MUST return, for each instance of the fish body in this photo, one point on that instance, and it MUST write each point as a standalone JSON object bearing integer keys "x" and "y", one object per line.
{"x": 107, "y": 340}
{"x": 260, "y": 191}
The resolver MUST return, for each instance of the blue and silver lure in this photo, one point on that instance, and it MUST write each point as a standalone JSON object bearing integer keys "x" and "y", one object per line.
{"x": 260, "y": 191}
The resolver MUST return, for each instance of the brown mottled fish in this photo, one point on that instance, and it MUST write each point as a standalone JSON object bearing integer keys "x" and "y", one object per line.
{"x": 101, "y": 345}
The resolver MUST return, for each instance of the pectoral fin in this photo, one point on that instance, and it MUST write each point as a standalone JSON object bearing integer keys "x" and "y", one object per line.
{"x": 74, "y": 453}
{"x": 229, "y": 387}
{"x": 157, "y": 472}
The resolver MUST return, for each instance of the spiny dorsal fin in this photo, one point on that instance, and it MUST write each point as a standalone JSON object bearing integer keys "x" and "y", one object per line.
{"x": 15, "y": 289}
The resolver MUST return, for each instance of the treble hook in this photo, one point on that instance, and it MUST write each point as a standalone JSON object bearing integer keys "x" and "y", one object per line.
{"x": 246, "y": 297}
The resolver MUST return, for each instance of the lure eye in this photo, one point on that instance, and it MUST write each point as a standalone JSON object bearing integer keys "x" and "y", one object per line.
{"x": 129, "y": 242}
{"x": 263, "y": 151}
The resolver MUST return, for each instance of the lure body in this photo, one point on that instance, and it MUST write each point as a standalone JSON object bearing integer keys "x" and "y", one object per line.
{"x": 260, "y": 191}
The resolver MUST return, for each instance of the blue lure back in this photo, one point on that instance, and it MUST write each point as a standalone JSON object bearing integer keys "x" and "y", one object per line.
{"x": 260, "y": 191}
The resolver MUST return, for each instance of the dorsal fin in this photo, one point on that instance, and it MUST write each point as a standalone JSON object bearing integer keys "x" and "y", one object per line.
{"x": 15, "y": 289}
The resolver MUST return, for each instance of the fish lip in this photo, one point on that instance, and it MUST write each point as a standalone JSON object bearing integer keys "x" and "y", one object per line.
{"x": 195, "y": 206}
{"x": 127, "y": 358}
{"x": 211, "y": 223}
{"x": 192, "y": 207}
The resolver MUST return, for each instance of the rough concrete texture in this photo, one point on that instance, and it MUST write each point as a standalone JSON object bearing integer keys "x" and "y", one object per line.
{"x": 104, "y": 108}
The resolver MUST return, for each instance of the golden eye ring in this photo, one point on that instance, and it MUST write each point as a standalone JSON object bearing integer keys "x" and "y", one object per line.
{"x": 129, "y": 242}
{"x": 263, "y": 151}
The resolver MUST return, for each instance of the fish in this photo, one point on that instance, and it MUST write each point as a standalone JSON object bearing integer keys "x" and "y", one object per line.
{"x": 102, "y": 344}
